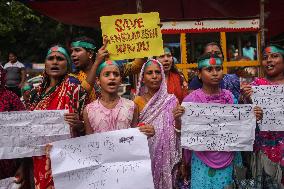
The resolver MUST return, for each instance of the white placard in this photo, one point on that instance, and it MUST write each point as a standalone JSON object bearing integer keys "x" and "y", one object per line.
{"x": 25, "y": 133}
{"x": 218, "y": 127}
{"x": 116, "y": 159}
{"x": 8, "y": 183}
{"x": 271, "y": 99}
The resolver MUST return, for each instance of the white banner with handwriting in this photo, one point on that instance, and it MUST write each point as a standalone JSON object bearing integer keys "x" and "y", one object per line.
{"x": 25, "y": 133}
{"x": 116, "y": 159}
{"x": 9, "y": 183}
{"x": 218, "y": 127}
{"x": 271, "y": 99}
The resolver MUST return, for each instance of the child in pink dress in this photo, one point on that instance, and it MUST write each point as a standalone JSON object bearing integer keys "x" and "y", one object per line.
{"x": 111, "y": 112}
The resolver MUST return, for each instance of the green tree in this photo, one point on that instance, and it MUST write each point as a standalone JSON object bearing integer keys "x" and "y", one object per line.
{"x": 30, "y": 34}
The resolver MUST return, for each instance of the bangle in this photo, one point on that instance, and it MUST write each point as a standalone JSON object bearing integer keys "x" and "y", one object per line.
{"x": 177, "y": 130}
{"x": 86, "y": 86}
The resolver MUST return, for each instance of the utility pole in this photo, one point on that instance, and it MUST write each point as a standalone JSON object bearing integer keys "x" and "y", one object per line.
{"x": 139, "y": 6}
{"x": 262, "y": 26}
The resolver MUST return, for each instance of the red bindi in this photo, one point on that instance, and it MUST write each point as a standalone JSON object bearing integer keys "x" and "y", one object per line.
{"x": 212, "y": 61}
{"x": 54, "y": 48}
{"x": 109, "y": 62}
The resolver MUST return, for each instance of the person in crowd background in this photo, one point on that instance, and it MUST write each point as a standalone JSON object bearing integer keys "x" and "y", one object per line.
{"x": 176, "y": 83}
{"x": 9, "y": 101}
{"x": 84, "y": 59}
{"x": 16, "y": 74}
{"x": 249, "y": 51}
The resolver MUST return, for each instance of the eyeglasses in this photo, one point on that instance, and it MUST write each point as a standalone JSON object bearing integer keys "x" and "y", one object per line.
{"x": 58, "y": 58}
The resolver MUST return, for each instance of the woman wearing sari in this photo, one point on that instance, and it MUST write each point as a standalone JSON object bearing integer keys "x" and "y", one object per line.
{"x": 175, "y": 81}
{"x": 268, "y": 144}
{"x": 155, "y": 108}
{"x": 58, "y": 91}
{"x": 9, "y": 102}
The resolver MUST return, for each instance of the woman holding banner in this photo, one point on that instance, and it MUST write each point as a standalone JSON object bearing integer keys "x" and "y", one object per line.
{"x": 268, "y": 144}
{"x": 10, "y": 102}
{"x": 230, "y": 82}
{"x": 211, "y": 169}
{"x": 58, "y": 91}
{"x": 155, "y": 108}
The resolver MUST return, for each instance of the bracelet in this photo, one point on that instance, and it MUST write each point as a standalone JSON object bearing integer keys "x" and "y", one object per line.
{"x": 86, "y": 86}
{"x": 177, "y": 130}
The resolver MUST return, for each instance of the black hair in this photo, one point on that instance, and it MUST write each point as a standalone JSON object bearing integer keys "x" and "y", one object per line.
{"x": 13, "y": 52}
{"x": 174, "y": 67}
{"x": 213, "y": 44}
{"x": 85, "y": 39}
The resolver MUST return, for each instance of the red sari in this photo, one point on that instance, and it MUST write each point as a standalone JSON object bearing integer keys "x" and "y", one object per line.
{"x": 175, "y": 86}
{"x": 8, "y": 102}
{"x": 68, "y": 94}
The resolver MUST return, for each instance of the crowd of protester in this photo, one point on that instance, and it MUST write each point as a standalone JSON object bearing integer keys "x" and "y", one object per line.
{"x": 90, "y": 93}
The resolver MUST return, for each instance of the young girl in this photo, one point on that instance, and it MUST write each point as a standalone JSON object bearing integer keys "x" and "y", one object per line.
{"x": 155, "y": 106}
{"x": 111, "y": 112}
{"x": 212, "y": 169}
{"x": 268, "y": 143}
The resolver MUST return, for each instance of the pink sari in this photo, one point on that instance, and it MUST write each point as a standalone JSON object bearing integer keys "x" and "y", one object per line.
{"x": 165, "y": 145}
{"x": 270, "y": 142}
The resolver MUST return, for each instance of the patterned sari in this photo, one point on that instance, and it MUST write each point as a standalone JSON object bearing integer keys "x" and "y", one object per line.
{"x": 269, "y": 145}
{"x": 93, "y": 92}
{"x": 67, "y": 94}
{"x": 165, "y": 144}
{"x": 8, "y": 102}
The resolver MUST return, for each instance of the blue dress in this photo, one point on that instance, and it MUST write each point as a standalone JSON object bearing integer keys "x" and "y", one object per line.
{"x": 204, "y": 177}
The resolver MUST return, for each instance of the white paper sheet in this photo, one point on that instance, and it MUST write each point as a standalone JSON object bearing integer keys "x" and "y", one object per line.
{"x": 271, "y": 99}
{"x": 25, "y": 133}
{"x": 8, "y": 183}
{"x": 116, "y": 159}
{"x": 218, "y": 127}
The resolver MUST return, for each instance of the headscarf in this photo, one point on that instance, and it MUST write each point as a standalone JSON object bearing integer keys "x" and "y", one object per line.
{"x": 209, "y": 60}
{"x": 62, "y": 51}
{"x": 141, "y": 89}
{"x": 164, "y": 145}
{"x": 167, "y": 51}
{"x": 274, "y": 49}
{"x": 37, "y": 92}
{"x": 83, "y": 44}
{"x": 104, "y": 64}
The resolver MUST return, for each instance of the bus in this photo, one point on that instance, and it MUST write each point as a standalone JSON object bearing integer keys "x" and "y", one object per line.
{"x": 186, "y": 39}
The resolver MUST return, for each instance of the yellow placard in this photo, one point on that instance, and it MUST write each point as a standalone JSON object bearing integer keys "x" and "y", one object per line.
{"x": 132, "y": 35}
